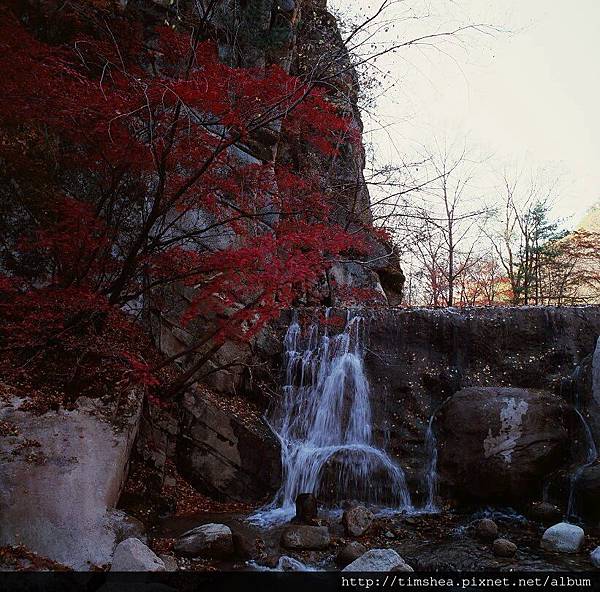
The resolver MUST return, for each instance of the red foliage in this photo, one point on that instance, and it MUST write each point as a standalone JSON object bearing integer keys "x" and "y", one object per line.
{"x": 150, "y": 189}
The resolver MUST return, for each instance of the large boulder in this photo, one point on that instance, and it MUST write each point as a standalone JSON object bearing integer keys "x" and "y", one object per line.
{"x": 357, "y": 520}
{"x": 498, "y": 444}
{"x": 226, "y": 449}
{"x": 305, "y": 537}
{"x": 587, "y": 494}
{"x": 61, "y": 475}
{"x": 563, "y": 538}
{"x": 379, "y": 560}
{"x": 208, "y": 540}
{"x": 133, "y": 555}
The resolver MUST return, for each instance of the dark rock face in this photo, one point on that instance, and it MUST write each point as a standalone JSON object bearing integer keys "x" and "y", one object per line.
{"x": 416, "y": 359}
{"x": 225, "y": 454}
{"x": 498, "y": 444}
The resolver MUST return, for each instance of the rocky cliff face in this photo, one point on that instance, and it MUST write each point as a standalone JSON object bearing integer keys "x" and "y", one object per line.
{"x": 419, "y": 358}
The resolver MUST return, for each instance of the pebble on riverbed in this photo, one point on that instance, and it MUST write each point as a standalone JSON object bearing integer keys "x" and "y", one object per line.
{"x": 504, "y": 548}
{"x": 485, "y": 529}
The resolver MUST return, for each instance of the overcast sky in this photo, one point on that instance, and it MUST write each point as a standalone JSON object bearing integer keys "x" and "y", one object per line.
{"x": 528, "y": 95}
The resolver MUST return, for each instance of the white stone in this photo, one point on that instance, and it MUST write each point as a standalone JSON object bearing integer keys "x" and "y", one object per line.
{"x": 563, "y": 537}
{"x": 133, "y": 555}
{"x": 595, "y": 557}
{"x": 378, "y": 560}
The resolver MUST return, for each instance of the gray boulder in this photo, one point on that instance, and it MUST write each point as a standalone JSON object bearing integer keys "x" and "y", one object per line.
{"x": 170, "y": 562}
{"x": 563, "y": 538}
{"x": 349, "y": 553}
{"x": 305, "y": 537}
{"x": 133, "y": 555}
{"x": 62, "y": 505}
{"x": 379, "y": 560}
{"x": 357, "y": 520}
{"x": 595, "y": 557}
{"x": 208, "y": 540}
{"x": 497, "y": 443}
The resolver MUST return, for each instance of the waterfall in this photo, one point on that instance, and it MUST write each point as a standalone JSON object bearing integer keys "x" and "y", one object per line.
{"x": 431, "y": 478}
{"x": 324, "y": 424}
{"x": 590, "y": 458}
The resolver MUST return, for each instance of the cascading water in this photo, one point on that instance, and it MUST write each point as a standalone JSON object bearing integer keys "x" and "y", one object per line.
{"x": 324, "y": 423}
{"x": 431, "y": 478}
{"x": 590, "y": 458}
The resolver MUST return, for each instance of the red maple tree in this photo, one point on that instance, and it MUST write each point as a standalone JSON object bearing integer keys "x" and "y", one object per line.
{"x": 128, "y": 174}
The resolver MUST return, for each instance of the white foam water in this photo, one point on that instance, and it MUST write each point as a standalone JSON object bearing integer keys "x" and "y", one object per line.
{"x": 324, "y": 424}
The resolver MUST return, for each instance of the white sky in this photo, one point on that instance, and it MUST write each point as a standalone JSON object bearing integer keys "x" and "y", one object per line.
{"x": 527, "y": 95}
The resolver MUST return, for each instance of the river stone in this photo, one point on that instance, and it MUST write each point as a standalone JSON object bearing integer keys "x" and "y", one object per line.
{"x": 357, "y": 520}
{"x": 301, "y": 536}
{"x": 563, "y": 537}
{"x": 544, "y": 512}
{"x": 498, "y": 444}
{"x": 587, "y": 492}
{"x": 379, "y": 560}
{"x": 595, "y": 557}
{"x": 504, "y": 548}
{"x": 208, "y": 540}
{"x": 349, "y": 553}
{"x": 133, "y": 555}
{"x": 170, "y": 562}
{"x": 306, "y": 508}
{"x": 486, "y": 529}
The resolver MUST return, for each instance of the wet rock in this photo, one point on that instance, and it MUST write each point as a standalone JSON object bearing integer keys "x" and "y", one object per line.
{"x": 485, "y": 529}
{"x": 349, "y": 553}
{"x": 133, "y": 555}
{"x": 379, "y": 560}
{"x": 595, "y": 557}
{"x": 588, "y": 493}
{"x": 504, "y": 548}
{"x": 271, "y": 561}
{"x": 305, "y": 537}
{"x": 208, "y": 540}
{"x": 357, "y": 520}
{"x": 544, "y": 512}
{"x": 244, "y": 546}
{"x": 287, "y": 563}
{"x": 497, "y": 444}
{"x": 563, "y": 538}
{"x": 306, "y": 509}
